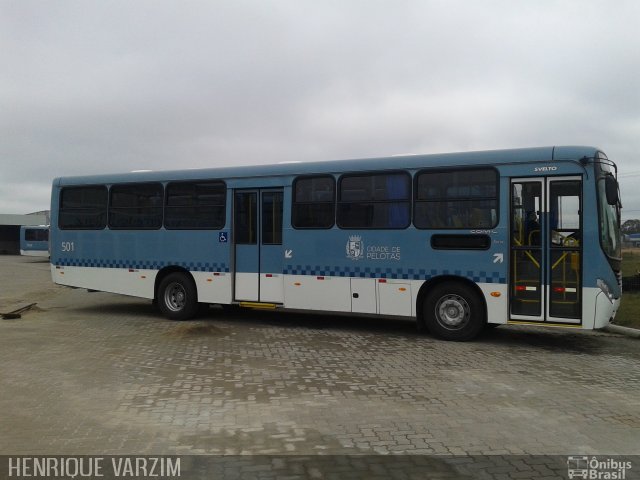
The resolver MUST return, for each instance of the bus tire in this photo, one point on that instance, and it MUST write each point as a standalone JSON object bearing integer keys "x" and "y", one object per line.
{"x": 453, "y": 311}
{"x": 178, "y": 297}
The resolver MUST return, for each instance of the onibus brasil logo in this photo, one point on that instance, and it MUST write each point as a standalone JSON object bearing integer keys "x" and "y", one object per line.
{"x": 355, "y": 247}
{"x": 581, "y": 466}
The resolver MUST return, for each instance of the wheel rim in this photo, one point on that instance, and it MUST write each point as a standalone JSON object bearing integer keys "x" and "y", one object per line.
{"x": 175, "y": 297}
{"x": 453, "y": 312}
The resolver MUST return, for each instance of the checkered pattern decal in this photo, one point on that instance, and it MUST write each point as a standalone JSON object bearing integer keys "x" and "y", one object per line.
{"x": 396, "y": 273}
{"x": 143, "y": 264}
{"x": 325, "y": 271}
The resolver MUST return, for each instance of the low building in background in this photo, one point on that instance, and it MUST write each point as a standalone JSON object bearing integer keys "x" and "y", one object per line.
{"x": 10, "y": 229}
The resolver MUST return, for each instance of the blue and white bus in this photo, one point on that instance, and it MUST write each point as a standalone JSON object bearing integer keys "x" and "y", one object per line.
{"x": 456, "y": 241}
{"x": 34, "y": 240}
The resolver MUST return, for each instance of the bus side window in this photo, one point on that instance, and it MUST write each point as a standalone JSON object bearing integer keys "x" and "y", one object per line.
{"x": 136, "y": 206}
{"x": 195, "y": 205}
{"x": 470, "y": 196}
{"x": 376, "y": 200}
{"x": 83, "y": 208}
{"x": 313, "y": 203}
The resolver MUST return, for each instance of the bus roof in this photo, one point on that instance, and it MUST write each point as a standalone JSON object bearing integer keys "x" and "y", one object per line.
{"x": 486, "y": 157}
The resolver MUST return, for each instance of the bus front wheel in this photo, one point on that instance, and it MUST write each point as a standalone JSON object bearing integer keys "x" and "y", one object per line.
{"x": 178, "y": 297}
{"x": 453, "y": 311}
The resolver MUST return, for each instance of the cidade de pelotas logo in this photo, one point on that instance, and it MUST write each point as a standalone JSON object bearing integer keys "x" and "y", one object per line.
{"x": 357, "y": 250}
{"x": 355, "y": 247}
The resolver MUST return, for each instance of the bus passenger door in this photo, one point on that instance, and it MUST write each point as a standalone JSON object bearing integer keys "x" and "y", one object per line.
{"x": 526, "y": 288}
{"x": 271, "y": 253}
{"x": 257, "y": 239}
{"x": 564, "y": 264}
{"x": 545, "y": 282}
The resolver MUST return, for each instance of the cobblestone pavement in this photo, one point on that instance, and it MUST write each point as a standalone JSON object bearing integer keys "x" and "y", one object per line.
{"x": 95, "y": 373}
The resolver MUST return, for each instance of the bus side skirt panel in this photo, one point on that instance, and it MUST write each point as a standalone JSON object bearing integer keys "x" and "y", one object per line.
{"x": 213, "y": 287}
{"x": 496, "y": 298}
{"x": 309, "y": 292}
{"x": 133, "y": 282}
{"x": 34, "y": 253}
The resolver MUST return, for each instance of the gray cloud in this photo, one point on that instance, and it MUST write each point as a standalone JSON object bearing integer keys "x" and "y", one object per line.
{"x": 92, "y": 87}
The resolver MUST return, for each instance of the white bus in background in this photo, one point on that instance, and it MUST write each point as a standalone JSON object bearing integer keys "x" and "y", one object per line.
{"x": 34, "y": 241}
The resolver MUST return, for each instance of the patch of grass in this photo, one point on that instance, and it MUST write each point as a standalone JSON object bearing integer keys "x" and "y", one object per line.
{"x": 629, "y": 313}
{"x": 630, "y": 262}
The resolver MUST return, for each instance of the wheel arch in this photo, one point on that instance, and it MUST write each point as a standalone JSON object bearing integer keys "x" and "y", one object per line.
{"x": 162, "y": 274}
{"x": 440, "y": 279}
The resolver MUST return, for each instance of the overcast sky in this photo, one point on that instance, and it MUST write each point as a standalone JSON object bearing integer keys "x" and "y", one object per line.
{"x": 105, "y": 86}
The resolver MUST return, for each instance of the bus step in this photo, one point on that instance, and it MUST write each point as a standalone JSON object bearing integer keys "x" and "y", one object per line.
{"x": 258, "y": 305}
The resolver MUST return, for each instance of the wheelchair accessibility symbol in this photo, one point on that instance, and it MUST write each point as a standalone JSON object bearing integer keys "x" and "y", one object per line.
{"x": 223, "y": 237}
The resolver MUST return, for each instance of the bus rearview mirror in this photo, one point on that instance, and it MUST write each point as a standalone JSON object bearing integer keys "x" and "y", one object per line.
{"x": 611, "y": 189}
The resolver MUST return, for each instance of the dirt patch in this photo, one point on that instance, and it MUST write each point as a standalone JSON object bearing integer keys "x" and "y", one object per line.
{"x": 197, "y": 330}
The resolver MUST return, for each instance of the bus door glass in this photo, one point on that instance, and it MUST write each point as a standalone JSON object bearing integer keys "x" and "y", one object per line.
{"x": 565, "y": 250}
{"x": 546, "y": 250}
{"x": 257, "y": 238}
{"x": 526, "y": 279}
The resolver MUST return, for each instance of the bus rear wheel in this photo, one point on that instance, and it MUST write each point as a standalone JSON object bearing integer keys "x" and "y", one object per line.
{"x": 177, "y": 297}
{"x": 453, "y": 311}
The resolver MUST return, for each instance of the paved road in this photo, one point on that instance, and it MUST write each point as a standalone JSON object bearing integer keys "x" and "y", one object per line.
{"x": 99, "y": 373}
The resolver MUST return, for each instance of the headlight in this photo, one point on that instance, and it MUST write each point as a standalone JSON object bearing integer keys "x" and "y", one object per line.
{"x": 602, "y": 285}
